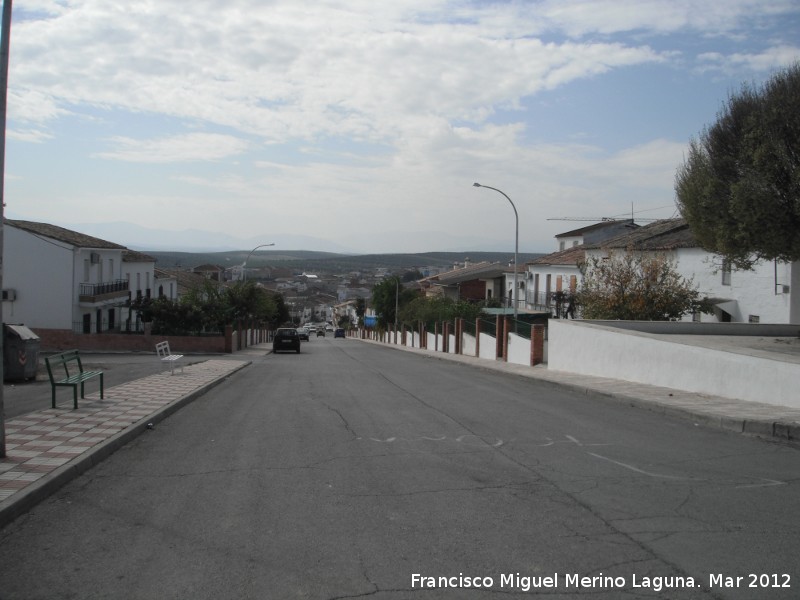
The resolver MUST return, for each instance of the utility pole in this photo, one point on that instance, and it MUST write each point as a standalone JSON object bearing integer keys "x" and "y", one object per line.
{"x": 4, "y": 49}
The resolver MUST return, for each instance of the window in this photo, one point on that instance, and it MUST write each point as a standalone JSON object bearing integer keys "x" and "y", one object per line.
{"x": 561, "y": 244}
{"x": 754, "y": 319}
{"x": 726, "y": 272}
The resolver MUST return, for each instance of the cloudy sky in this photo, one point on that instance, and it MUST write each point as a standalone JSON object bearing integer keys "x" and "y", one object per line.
{"x": 365, "y": 123}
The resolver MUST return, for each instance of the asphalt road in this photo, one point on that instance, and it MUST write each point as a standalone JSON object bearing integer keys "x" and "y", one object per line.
{"x": 352, "y": 470}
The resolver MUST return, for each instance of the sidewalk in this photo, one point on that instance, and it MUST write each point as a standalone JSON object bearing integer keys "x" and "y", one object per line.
{"x": 47, "y": 448}
{"x": 777, "y": 423}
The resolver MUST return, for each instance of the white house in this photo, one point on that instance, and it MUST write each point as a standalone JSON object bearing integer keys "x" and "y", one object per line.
{"x": 144, "y": 281}
{"x": 54, "y": 278}
{"x": 761, "y": 295}
{"x": 560, "y": 271}
{"x": 555, "y": 272}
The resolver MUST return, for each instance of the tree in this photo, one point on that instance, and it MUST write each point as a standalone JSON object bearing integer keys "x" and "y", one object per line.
{"x": 361, "y": 310}
{"x": 430, "y": 310}
{"x": 638, "y": 287}
{"x": 210, "y": 308}
{"x": 386, "y": 295}
{"x": 739, "y": 187}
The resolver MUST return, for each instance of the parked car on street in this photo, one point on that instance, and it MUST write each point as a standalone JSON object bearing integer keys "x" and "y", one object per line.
{"x": 303, "y": 333}
{"x": 286, "y": 338}
{"x": 339, "y": 333}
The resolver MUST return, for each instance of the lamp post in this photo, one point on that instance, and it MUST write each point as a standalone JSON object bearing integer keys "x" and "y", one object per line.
{"x": 4, "y": 51}
{"x": 244, "y": 272}
{"x": 516, "y": 246}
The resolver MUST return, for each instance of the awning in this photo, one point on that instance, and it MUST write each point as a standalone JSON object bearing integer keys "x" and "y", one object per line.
{"x": 726, "y": 304}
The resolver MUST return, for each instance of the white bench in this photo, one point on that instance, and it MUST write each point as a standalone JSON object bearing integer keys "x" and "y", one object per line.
{"x": 164, "y": 355}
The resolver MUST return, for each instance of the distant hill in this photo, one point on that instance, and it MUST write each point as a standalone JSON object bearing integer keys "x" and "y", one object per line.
{"x": 328, "y": 262}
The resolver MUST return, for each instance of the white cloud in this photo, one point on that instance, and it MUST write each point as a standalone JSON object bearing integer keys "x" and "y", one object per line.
{"x": 191, "y": 147}
{"x": 761, "y": 62}
{"x": 330, "y": 113}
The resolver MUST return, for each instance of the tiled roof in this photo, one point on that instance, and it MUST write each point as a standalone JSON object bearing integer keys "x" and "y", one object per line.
{"x": 570, "y": 256}
{"x": 134, "y": 256}
{"x": 594, "y": 227}
{"x": 668, "y": 234}
{"x": 208, "y": 268}
{"x": 64, "y": 235}
{"x": 481, "y": 270}
{"x": 185, "y": 279}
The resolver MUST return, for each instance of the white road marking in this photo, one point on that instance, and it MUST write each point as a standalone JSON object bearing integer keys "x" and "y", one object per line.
{"x": 636, "y": 470}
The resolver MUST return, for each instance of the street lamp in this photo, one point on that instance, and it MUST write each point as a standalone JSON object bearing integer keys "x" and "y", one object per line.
{"x": 516, "y": 246}
{"x": 244, "y": 272}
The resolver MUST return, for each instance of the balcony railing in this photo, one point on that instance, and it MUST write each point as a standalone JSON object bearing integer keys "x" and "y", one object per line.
{"x": 96, "y": 292}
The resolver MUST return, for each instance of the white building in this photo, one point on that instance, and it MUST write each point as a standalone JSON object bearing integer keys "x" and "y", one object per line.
{"x": 561, "y": 270}
{"x": 54, "y": 278}
{"x": 761, "y": 295}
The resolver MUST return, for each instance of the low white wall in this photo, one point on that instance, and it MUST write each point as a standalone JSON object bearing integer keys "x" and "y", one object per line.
{"x": 519, "y": 350}
{"x": 591, "y": 349}
{"x": 469, "y": 344}
{"x": 488, "y": 347}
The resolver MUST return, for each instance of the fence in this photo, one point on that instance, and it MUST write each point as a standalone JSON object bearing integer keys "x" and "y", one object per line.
{"x": 503, "y": 338}
{"x": 235, "y": 337}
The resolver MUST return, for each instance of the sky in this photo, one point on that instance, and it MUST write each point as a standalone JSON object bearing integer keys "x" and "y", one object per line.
{"x": 361, "y": 126}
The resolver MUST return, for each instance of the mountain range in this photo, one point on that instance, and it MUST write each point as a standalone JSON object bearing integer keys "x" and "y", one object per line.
{"x": 137, "y": 237}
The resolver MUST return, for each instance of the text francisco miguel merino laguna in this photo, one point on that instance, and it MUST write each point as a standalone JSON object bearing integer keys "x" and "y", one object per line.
{"x": 526, "y": 583}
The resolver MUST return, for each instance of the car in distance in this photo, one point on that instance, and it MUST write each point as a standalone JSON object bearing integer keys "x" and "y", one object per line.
{"x": 320, "y": 332}
{"x": 303, "y": 333}
{"x": 339, "y": 333}
{"x": 286, "y": 338}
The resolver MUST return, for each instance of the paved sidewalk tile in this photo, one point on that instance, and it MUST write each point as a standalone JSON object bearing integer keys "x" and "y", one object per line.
{"x": 41, "y": 442}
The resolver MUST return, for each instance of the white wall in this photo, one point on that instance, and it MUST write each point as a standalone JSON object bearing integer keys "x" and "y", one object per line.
{"x": 469, "y": 344}
{"x": 107, "y": 270}
{"x": 554, "y": 271}
{"x": 603, "y": 351}
{"x": 753, "y": 290}
{"x": 519, "y": 349}
{"x": 42, "y": 275}
{"x": 488, "y": 347}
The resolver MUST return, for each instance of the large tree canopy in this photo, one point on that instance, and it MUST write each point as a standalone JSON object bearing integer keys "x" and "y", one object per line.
{"x": 739, "y": 187}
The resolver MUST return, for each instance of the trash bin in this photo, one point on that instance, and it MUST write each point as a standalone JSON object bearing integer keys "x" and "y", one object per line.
{"x": 20, "y": 353}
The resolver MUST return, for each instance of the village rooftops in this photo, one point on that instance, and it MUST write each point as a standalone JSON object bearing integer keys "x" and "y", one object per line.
{"x": 79, "y": 240}
{"x": 481, "y": 270}
{"x": 570, "y": 256}
{"x": 668, "y": 234}
{"x": 598, "y": 231}
{"x": 134, "y": 256}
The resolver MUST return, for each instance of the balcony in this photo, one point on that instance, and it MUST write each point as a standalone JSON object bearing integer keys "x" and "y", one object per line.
{"x": 95, "y": 293}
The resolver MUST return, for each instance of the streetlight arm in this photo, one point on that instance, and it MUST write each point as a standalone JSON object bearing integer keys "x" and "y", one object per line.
{"x": 250, "y": 254}
{"x": 502, "y": 192}
{"x": 516, "y": 244}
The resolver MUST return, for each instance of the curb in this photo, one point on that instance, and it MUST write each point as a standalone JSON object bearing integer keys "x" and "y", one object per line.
{"x": 45, "y": 487}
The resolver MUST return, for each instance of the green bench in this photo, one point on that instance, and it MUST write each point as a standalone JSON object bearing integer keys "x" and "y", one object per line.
{"x": 73, "y": 375}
